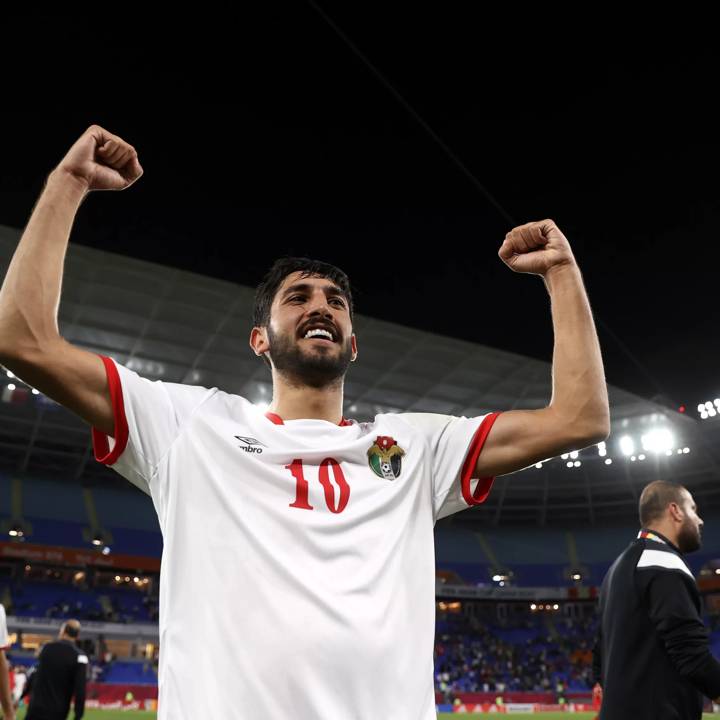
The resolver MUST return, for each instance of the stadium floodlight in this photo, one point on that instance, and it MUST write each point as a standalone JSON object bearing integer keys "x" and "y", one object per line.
{"x": 686, "y": 450}
{"x": 570, "y": 463}
{"x": 538, "y": 465}
{"x": 701, "y": 407}
{"x": 608, "y": 461}
{"x": 11, "y": 386}
{"x": 556, "y": 607}
{"x": 98, "y": 540}
{"x": 565, "y": 456}
{"x": 136, "y": 579}
{"x": 708, "y": 405}
{"x": 501, "y": 583}
{"x": 658, "y": 440}
{"x": 574, "y": 454}
{"x": 498, "y": 578}
{"x": 533, "y": 606}
{"x": 106, "y": 550}
{"x": 641, "y": 457}
{"x": 577, "y": 463}
{"x": 9, "y": 374}
{"x": 35, "y": 392}
{"x": 602, "y": 449}
{"x": 710, "y": 412}
{"x": 627, "y": 445}
{"x": 16, "y": 531}
{"x": 576, "y": 576}
{"x": 717, "y": 571}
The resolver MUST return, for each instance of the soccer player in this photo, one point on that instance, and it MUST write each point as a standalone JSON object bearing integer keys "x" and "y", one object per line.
{"x": 597, "y": 698}
{"x": 653, "y": 656}
{"x": 6, "y": 699}
{"x": 298, "y": 565}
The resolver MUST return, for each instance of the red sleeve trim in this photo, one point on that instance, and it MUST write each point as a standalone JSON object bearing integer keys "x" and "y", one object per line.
{"x": 476, "y": 445}
{"x": 101, "y": 446}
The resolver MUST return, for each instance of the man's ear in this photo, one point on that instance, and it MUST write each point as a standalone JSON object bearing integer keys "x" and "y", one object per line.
{"x": 353, "y": 344}
{"x": 259, "y": 341}
{"x": 676, "y": 512}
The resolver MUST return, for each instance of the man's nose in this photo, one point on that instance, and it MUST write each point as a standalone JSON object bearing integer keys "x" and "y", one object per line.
{"x": 319, "y": 304}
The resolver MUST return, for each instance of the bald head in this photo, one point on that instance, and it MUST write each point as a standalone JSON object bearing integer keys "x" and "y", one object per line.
{"x": 655, "y": 499}
{"x": 70, "y": 630}
{"x": 670, "y": 510}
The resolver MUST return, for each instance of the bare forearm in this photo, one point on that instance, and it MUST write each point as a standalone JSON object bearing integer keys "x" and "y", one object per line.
{"x": 579, "y": 389}
{"x": 5, "y": 697}
{"x": 30, "y": 293}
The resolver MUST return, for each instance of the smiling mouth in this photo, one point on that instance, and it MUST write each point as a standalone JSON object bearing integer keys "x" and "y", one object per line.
{"x": 322, "y": 334}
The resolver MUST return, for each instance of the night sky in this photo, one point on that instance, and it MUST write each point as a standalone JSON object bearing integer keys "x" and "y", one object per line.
{"x": 265, "y": 133}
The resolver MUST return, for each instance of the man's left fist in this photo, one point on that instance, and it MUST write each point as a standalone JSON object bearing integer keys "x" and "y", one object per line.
{"x": 536, "y": 247}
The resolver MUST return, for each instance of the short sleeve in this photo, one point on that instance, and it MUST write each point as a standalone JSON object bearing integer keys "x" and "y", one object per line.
{"x": 455, "y": 445}
{"x": 149, "y": 416}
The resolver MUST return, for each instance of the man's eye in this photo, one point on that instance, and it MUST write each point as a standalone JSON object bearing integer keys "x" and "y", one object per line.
{"x": 295, "y": 298}
{"x": 337, "y": 301}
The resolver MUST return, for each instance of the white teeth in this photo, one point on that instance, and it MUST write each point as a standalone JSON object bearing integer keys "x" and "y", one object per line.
{"x": 317, "y": 332}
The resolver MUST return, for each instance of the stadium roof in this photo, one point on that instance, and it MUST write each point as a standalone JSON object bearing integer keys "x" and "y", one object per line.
{"x": 178, "y": 326}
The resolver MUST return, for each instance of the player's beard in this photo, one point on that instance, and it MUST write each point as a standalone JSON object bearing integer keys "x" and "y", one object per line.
{"x": 689, "y": 537}
{"x": 313, "y": 368}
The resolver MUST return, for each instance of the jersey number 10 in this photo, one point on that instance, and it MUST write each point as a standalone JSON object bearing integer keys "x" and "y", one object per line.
{"x": 301, "y": 498}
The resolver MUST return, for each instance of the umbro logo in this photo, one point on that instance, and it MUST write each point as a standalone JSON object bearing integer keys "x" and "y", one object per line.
{"x": 251, "y": 445}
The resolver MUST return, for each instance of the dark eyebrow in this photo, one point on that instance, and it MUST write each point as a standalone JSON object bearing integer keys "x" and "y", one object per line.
{"x": 330, "y": 290}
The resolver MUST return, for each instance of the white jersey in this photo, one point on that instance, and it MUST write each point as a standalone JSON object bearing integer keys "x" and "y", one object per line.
{"x": 19, "y": 686}
{"x": 4, "y": 637}
{"x": 298, "y": 570}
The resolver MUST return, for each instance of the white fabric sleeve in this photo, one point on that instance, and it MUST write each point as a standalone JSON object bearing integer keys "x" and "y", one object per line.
{"x": 455, "y": 444}
{"x": 4, "y": 637}
{"x": 149, "y": 416}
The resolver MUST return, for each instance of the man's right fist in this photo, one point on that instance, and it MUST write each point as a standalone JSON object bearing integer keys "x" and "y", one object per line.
{"x": 102, "y": 161}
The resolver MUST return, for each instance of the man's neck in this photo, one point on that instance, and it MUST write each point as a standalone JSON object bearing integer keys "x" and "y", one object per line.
{"x": 665, "y": 533}
{"x": 296, "y": 402}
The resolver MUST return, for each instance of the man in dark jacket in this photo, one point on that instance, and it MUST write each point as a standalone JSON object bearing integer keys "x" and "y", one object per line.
{"x": 652, "y": 656}
{"x": 61, "y": 673}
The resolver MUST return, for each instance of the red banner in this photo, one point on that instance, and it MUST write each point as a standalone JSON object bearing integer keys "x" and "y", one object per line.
{"x": 114, "y": 692}
{"x": 524, "y": 708}
{"x": 72, "y": 556}
{"x": 518, "y": 696}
